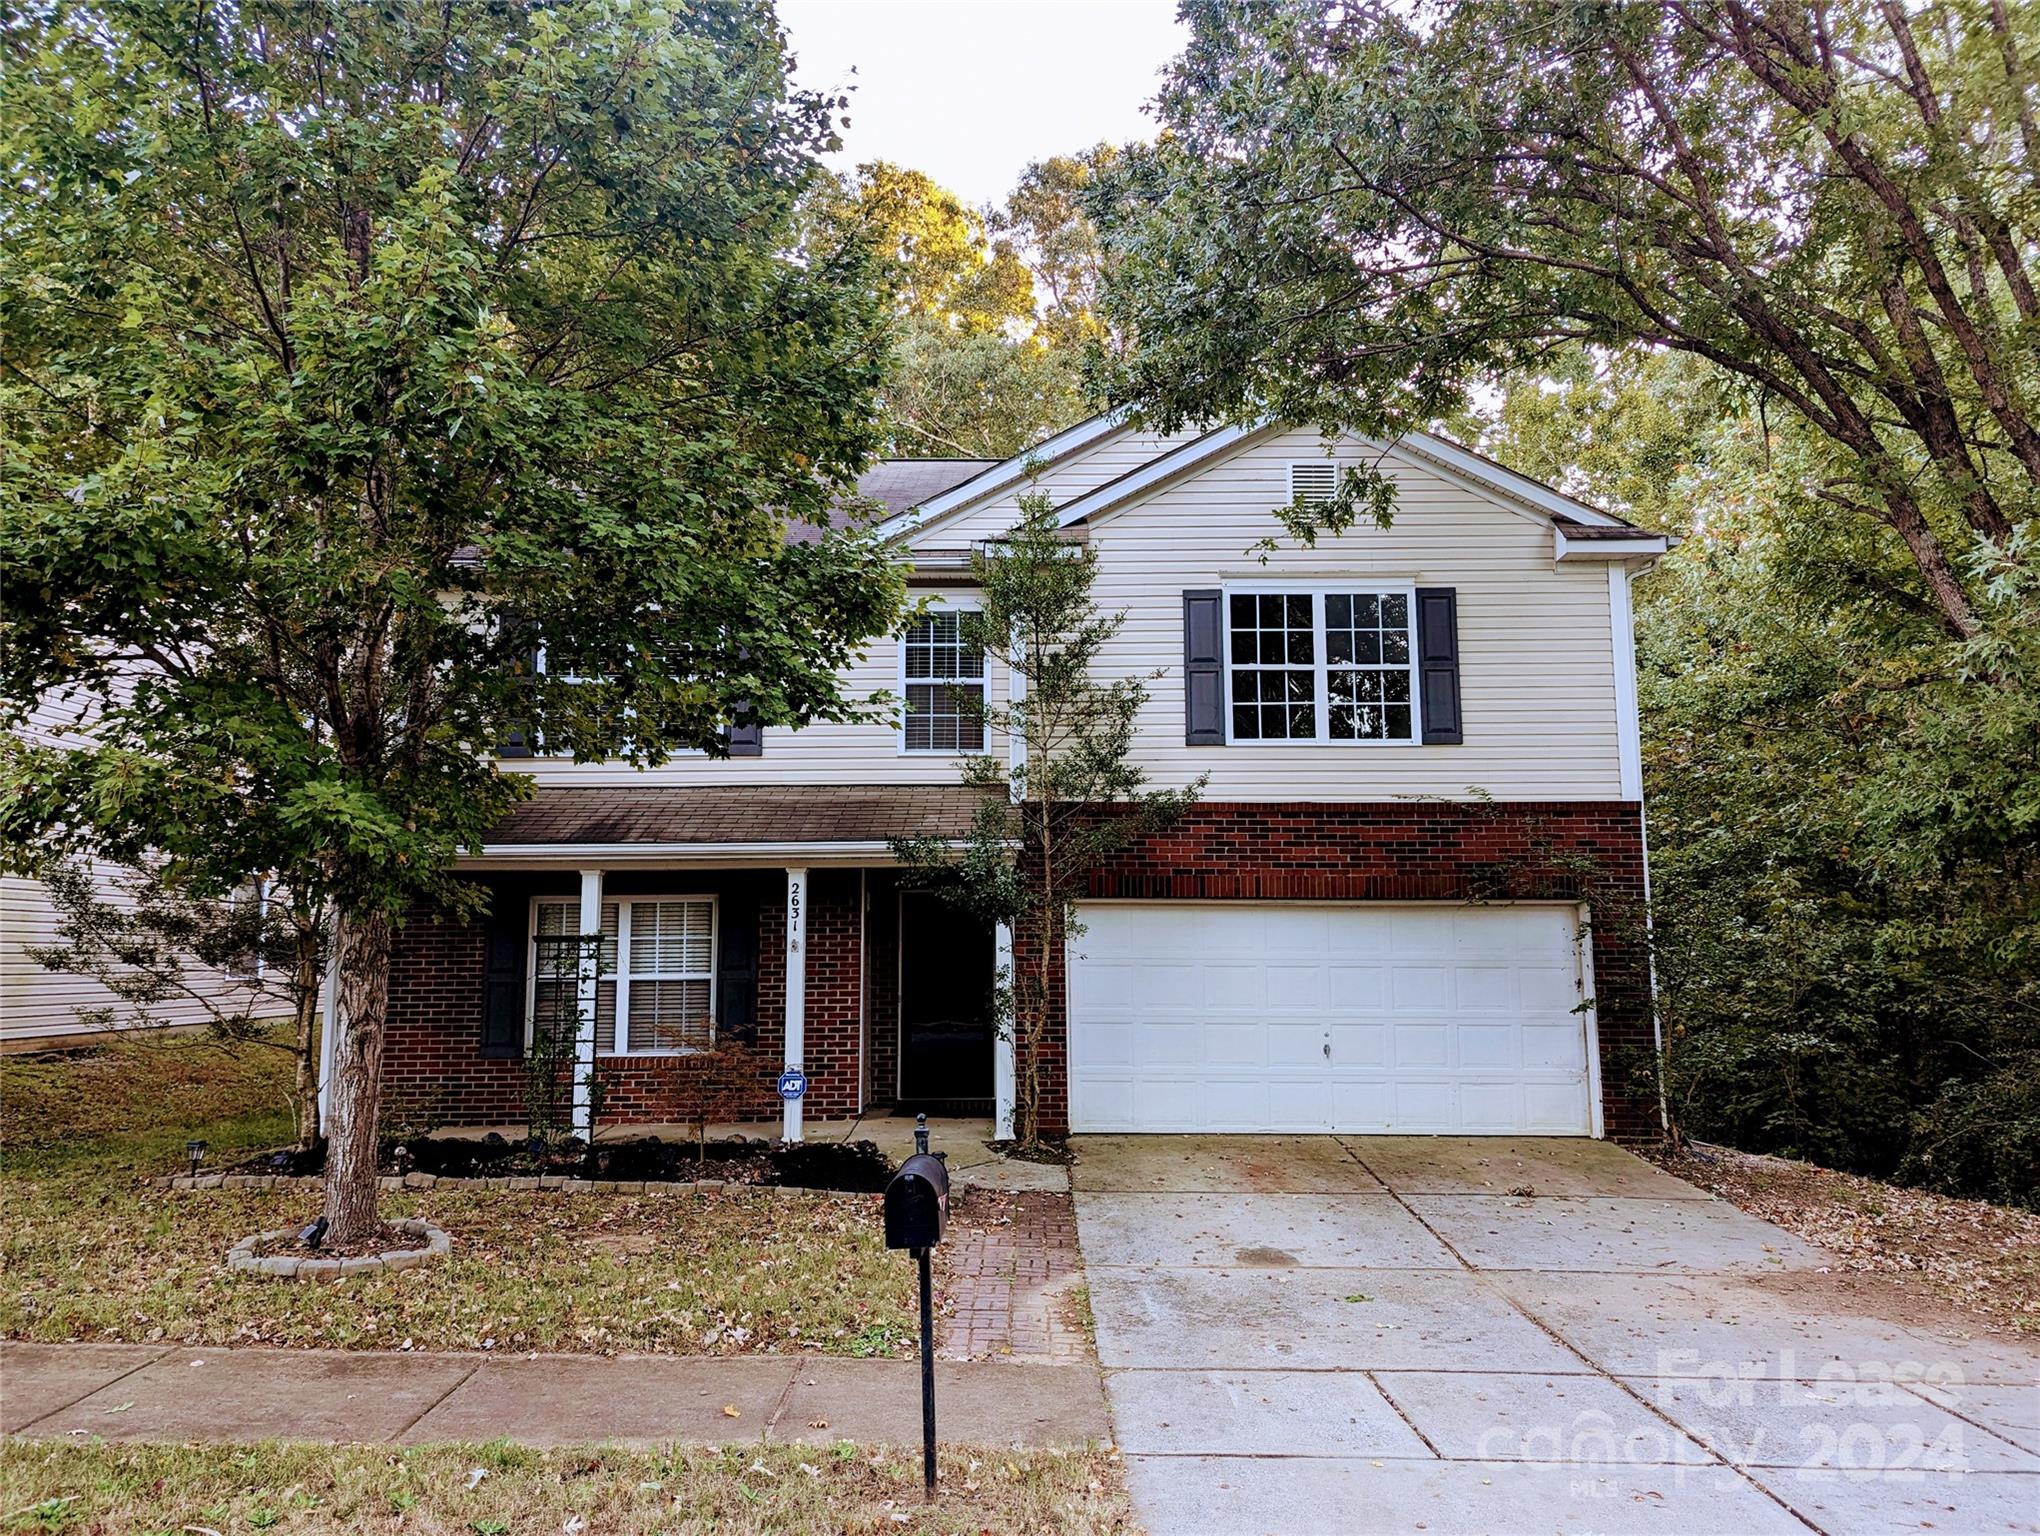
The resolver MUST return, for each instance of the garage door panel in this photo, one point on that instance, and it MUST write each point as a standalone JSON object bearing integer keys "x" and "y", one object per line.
{"x": 1359, "y": 1045}
{"x": 1357, "y": 989}
{"x": 1296, "y": 1104}
{"x": 1420, "y": 989}
{"x": 1420, "y": 1045}
{"x": 1239, "y": 1045}
{"x": 1159, "y": 1044}
{"x": 1295, "y": 1045}
{"x": 1484, "y": 987}
{"x": 1551, "y": 1108}
{"x": 1551, "y": 1047}
{"x": 1217, "y": 1016}
{"x": 1363, "y": 1104}
{"x": 1292, "y": 984}
{"x": 1487, "y": 1046}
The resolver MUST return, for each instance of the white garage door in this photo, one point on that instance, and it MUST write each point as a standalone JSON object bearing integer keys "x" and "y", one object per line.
{"x": 1210, "y": 1016}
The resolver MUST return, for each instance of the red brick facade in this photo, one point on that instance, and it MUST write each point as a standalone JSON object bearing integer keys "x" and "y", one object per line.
{"x": 1404, "y": 851}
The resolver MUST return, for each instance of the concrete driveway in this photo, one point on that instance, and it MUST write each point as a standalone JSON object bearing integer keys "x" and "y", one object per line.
{"x": 1361, "y": 1334}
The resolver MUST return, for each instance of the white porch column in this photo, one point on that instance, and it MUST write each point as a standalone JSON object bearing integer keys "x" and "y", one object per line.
{"x": 796, "y": 992}
{"x": 587, "y": 972}
{"x": 1003, "y": 1072}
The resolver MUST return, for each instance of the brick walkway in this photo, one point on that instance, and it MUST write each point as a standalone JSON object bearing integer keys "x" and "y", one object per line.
{"x": 1009, "y": 1268}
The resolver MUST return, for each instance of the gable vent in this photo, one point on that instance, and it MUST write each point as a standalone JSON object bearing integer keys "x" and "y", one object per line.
{"x": 1314, "y": 481}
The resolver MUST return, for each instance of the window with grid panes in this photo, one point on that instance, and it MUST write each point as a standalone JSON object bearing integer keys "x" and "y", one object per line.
{"x": 944, "y": 682}
{"x": 1330, "y": 664}
{"x": 661, "y": 1000}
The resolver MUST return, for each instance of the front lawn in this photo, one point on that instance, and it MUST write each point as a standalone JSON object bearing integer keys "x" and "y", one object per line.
{"x": 498, "y": 1490}
{"x": 90, "y": 1250}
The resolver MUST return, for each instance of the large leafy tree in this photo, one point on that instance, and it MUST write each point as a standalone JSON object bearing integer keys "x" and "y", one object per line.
{"x": 995, "y": 306}
{"x": 353, "y": 353}
{"x": 1844, "y": 814}
{"x": 1360, "y": 211}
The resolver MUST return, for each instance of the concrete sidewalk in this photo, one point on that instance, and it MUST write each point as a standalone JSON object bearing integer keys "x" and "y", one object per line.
{"x": 157, "y": 1392}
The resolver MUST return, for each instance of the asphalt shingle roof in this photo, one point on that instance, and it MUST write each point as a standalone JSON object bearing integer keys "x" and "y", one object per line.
{"x": 807, "y": 813}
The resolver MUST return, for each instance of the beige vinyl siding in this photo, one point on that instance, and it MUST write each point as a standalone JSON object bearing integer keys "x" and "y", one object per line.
{"x": 38, "y": 1004}
{"x": 1536, "y": 654}
{"x": 1536, "y": 657}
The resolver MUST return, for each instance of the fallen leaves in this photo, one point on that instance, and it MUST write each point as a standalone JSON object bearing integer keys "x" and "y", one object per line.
{"x": 1980, "y": 1257}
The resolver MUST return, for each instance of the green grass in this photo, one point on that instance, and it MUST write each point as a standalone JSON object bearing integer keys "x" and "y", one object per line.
{"x": 90, "y": 1250}
{"x": 130, "y": 1104}
{"x": 434, "y": 1491}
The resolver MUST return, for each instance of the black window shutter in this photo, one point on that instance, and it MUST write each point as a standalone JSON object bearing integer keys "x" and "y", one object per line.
{"x": 1438, "y": 664}
{"x": 736, "y": 970}
{"x": 1203, "y": 656}
{"x": 505, "y": 944}
{"x": 748, "y": 738}
{"x": 516, "y": 740}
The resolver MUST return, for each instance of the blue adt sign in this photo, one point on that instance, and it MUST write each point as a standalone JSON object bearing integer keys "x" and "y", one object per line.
{"x": 792, "y": 1083}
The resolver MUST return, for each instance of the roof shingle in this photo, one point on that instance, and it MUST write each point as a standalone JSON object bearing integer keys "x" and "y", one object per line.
{"x": 675, "y": 814}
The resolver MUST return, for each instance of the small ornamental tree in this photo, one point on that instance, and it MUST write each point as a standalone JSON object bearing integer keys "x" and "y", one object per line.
{"x": 1075, "y": 794}
{"x": 246, "y": 961}
{"x": 387, "y": 383}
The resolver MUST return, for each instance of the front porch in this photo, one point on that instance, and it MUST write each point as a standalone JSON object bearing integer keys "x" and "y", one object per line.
{"x": 721, "y": 969}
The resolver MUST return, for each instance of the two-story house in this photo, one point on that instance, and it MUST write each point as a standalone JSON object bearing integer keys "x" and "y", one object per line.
{"x": 1409, "y": 900}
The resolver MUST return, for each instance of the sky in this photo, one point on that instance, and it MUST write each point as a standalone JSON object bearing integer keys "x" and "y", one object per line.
{"x": 970, "y": 91}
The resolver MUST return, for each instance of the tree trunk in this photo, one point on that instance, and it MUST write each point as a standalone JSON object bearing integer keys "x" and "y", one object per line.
{"x": 305, "y": 989}
{"x": 362, "y": 952}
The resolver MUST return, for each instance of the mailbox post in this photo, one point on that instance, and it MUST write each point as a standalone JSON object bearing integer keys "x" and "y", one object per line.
{"x": 916, "y": 1213}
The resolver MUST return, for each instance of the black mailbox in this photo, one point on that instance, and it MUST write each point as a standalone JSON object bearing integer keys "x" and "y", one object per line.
{"x": 917, "y": 1203}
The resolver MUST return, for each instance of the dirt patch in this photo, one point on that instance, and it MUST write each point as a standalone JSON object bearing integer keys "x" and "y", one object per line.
{"x": 1265, "y": 1258}
{"x": 1978, "y": 1261}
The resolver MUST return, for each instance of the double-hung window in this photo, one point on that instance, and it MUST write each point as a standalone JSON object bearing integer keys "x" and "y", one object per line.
{"x": 943, "y": 675}
{"x": 1332, "y": 664}
{"x": 655, "y": 973}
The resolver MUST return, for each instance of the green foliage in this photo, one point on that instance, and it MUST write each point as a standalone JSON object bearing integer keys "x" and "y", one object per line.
{"x": 312, "y": 378}
{"x": 1358, "y": 214}
{"x": 1074, "y": 794}
{"x": 1844, "y": 804}
{"x": 996, "y": 309}
{"x": 355, "y": 354}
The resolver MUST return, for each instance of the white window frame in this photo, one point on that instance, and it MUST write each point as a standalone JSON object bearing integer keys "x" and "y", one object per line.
{"x": 1317, "y": 589}
{"x": 622, "y": 975}
{"x": 958, "y": 606}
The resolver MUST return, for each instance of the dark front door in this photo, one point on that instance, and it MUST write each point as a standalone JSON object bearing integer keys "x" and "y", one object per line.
{"x": 947, "y": 971}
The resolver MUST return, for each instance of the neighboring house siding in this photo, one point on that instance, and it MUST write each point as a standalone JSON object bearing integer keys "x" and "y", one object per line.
{"x": 39, "y": 1004}
{"x": 1536, "y": 652}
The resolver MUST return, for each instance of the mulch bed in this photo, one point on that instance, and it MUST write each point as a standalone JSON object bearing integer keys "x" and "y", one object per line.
{"x": 384, "y": 1239}
{"x": 856, "y": 1167}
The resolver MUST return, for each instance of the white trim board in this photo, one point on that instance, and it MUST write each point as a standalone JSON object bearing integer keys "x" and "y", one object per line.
{"x": 916, "y": 521}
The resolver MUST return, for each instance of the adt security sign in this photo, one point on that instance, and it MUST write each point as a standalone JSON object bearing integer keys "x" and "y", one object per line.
{"x": 793, "y": 1083}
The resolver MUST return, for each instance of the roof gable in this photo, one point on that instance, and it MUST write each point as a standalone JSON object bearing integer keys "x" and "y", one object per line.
{"x": 1476, "y": 472}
